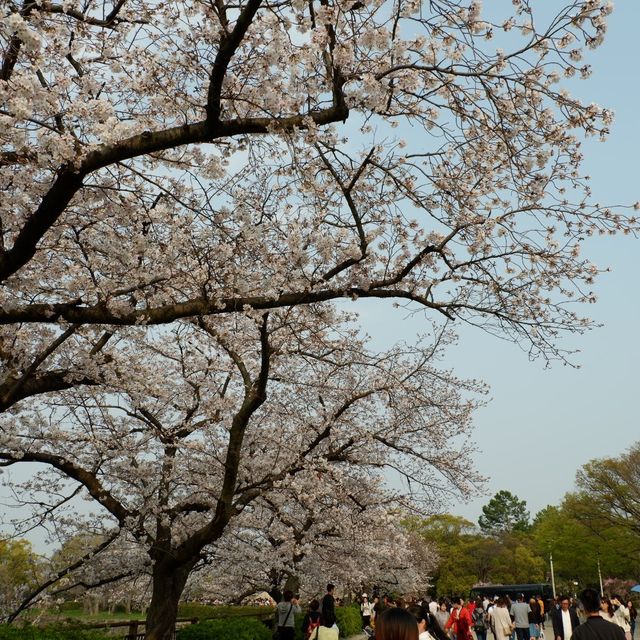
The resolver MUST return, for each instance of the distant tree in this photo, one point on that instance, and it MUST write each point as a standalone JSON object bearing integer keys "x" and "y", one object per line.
{"x": 516, "y": 561}
{"x": 504, "y": 513}
{"x": 608, "y": 494}
{"x": 466, "y": 557}
{"x": 576, "y": 549}
{"x": 606, "y": 509}
{"x": 20, "y": 569}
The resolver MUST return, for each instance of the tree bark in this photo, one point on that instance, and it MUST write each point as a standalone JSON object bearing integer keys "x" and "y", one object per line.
{"x": 293, "y": 583}
{"x": 168, "y": 584}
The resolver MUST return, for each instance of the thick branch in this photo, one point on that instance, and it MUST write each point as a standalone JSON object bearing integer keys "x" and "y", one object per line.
{"x": 101, "y": 314}
{"x": 228, "y": 46}
{"x": 88, "y": 479}
{"x": 254, "y": 398}
{"x": 69, "y": 181}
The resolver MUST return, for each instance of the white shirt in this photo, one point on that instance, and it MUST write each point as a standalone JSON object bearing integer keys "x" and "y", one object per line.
{"x": 566, "y": 624}
{"x": 433, "y": 607}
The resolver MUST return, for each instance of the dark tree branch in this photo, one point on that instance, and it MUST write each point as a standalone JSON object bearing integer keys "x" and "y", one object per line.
{"x": 87, "y": 478}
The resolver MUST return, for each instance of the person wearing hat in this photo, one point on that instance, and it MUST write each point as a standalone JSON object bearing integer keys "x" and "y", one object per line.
{"x": 365, "y": 609}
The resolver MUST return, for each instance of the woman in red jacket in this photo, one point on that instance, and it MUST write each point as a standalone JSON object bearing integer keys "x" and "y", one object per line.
{"x": 459, "y": 621}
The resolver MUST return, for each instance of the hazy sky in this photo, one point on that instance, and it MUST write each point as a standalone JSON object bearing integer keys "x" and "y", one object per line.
{"x": 542, "y": 425}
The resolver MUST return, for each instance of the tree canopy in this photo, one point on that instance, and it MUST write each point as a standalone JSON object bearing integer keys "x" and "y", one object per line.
{"x": 504, "y": 513}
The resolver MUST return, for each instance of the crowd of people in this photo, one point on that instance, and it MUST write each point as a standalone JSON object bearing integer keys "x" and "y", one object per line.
{"x": 458, "y": 619}
{"x": 319, "y": 622}
{"x": 593, "y": 618}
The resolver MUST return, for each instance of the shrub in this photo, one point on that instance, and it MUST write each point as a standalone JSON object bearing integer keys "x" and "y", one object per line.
{"x": 349, "y": 621}
{"x": 299, "y": 633}
{"x": 226, "y": 629}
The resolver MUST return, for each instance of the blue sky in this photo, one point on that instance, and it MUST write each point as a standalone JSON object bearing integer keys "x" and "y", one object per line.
{"x": 542, "y": 425}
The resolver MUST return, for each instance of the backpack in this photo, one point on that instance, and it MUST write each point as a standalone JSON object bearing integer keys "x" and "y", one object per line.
{"x": 479, "y": 619}
{"x": 311, "y": 627}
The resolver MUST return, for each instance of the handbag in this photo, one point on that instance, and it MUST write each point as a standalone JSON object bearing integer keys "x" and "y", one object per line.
{"x": 507, "y": 630}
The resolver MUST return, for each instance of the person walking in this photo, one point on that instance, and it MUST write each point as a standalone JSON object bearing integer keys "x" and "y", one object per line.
{"x": 540, "y": 602}
{"x": 606, "y": 610}
{"x": 520, "y": 611}
{"x": 633, "y": 614}
{"x": 621, "y": 616}
{"x": 459, "y": 621}
{"x": 479, "y": 618}
{"x": 328, "y": 604}
{"x": 535, "y": 618}
{"x": 564, "y": 620}
{"x": 442, "y": 614}
{"x": 311, "y": 619}
{"x": 500, "y": 620}
{"x": 328, "y": 629}
{"x": 595, "y": 627}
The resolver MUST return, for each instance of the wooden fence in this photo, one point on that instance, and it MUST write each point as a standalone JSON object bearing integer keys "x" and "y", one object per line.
{"x": 135, "y": 627}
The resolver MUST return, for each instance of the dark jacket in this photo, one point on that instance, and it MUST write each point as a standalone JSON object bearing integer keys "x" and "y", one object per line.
{"x": 597, "y": 628}
{"x": 556, "y": 620}
{"x": 328, "y": 604}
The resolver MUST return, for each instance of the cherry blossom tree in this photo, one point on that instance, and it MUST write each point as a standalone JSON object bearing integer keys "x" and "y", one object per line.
{"x": 189, "y": 186}
{"x": 347, "y": 532}
{"x": 173, "y": 466}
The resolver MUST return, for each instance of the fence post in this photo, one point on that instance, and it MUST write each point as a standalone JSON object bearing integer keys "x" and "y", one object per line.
{"x": 133, "y": 628}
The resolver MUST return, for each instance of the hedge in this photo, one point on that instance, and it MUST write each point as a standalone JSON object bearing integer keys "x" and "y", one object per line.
{"x": 226, "y": 629}
{"x": 35, "y": 633}
{"x": 348, "y": 618}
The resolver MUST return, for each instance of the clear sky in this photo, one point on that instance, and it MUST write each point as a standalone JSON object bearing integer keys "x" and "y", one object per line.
{"x": 542, "y": 425}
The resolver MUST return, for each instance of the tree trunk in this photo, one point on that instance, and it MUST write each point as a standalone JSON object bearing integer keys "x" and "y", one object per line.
{"x": 168, "y": 584}
{"x": 293, "y": 583}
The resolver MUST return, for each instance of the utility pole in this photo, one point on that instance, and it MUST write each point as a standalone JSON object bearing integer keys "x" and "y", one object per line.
{"x": 600, "y": 577}
{"x": 553, "y": 578}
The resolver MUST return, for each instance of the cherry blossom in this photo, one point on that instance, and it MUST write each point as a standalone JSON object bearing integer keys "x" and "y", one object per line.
{"x": 189, "y": 190}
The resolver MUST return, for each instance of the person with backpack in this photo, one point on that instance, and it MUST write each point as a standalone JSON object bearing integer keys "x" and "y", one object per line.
{"x": 328, "y": 629}
{"x": 480, "y": 620}
{"x": 311, "y": 619}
